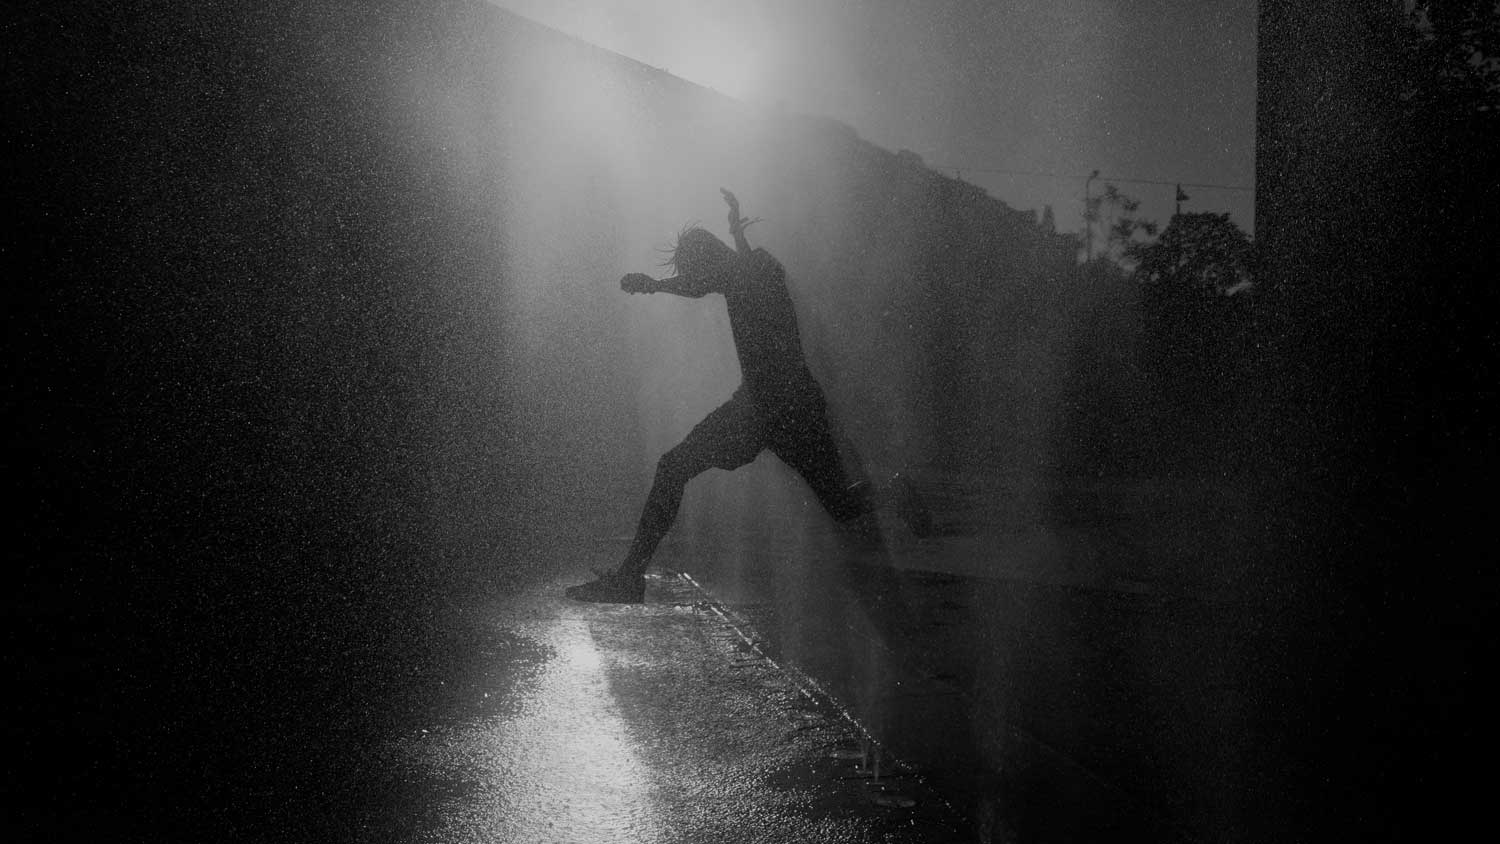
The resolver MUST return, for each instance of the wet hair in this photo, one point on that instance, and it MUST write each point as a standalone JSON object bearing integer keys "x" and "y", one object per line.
{"x": 696, "y": 249}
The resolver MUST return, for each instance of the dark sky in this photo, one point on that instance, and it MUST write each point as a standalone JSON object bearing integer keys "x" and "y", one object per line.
{"x": 1143, "y": 89}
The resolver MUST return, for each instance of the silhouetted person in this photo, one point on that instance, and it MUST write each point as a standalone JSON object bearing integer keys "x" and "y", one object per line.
{"x": 778, "y": 405}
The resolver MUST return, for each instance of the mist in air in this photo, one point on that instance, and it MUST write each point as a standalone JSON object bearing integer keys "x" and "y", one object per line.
{"x": 952, "y": 330}
{"x": 326, "y": 389}
{"x": 1046, "y": 92}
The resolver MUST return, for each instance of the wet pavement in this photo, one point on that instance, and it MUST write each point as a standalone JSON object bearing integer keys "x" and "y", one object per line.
{"x": 774, "y": 689}
{"x": 1043, "y": 711}
{"x": 1048, "y": 713}
{"x": 654, "y": 723}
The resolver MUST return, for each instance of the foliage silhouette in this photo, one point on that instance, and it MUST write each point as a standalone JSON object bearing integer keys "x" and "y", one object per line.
{"x": 1201, "y": 252}
{"x": 1195, "y": 282}
{"x": 1115, "y": 211}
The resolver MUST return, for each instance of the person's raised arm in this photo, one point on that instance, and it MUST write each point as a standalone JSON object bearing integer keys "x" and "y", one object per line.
{"x": 737, "y": 224}
{"x": 695, "y": 288}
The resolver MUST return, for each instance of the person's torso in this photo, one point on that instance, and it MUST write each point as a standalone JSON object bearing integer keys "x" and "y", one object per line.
{"x": 764, "y": 323}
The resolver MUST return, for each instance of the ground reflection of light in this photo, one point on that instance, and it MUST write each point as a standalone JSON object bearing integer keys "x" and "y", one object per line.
{"x": 582, "y": 655}
{"x": 561, "y": 769}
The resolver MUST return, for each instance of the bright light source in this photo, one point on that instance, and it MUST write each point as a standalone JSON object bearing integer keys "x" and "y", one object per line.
{"x": 714, "y": 47}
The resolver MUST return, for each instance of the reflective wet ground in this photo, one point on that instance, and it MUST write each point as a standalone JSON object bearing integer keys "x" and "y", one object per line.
{"x": 1042, "y": 711}
{"x": 780, "y": 684}
{"x": 655, "y": 723}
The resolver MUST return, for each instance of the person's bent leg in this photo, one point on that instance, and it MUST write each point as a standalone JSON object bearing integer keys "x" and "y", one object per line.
{"x": 627, "y": 584}
{"x": 675, "y": 468}
{"x": 727, "y": 438}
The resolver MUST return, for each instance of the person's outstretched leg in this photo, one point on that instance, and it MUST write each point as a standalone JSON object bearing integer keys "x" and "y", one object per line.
{"x": 803, "y": 438}
{"x": 727, "y": 438}
{"x": 800, "y": 434}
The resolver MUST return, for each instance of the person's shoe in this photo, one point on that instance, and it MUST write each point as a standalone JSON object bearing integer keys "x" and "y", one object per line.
{"x": 610, "y": 588}
{"x": 910, "y": 507}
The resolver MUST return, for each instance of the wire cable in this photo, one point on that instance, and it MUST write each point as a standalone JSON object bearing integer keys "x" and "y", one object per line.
{"x": 1099, "y": 178}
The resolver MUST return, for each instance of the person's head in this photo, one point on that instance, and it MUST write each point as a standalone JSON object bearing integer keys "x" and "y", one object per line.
{"x": 698, "y": 253}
